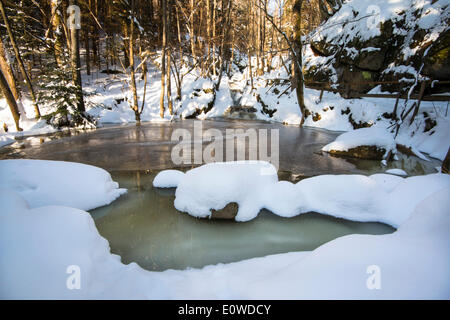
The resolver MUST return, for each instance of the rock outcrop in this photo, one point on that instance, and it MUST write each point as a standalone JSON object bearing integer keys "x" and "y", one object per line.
{"x": 382, "y": 41}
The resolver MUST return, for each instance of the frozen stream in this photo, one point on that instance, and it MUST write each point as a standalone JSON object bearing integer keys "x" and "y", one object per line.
{"x": 148, "y": 146}
{"x": 143, "y": 226}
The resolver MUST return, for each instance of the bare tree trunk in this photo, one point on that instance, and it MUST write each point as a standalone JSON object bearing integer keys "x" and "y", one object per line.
{"x": 8, "y": 73}
{"x": 169, "y": 84}
{"x": 163, "y": 60}
{"x": 10, "y": 100}
{"x": 263, "y": 36}
{"x": 169, "y": 52}
{"x": 258, "y": 40}
{"x": 250, "y": 71}
{"x": 19, "y": 60}
{"x": 135, "y": 106}
{"x": 297, "y": 77}
{"x": 88, "y": 51}
{"x": 230, "y": 65}
{"x": 125, "y": 45}
{"x": 57, "y": 31}
{"x": 225, "y": 28}
{"x": 192, "y": 31}
{"x": 214, "y": 37}
{"x": 75, "y": 61}
{"x": 180, "y": 43}
{"x": 208, "y": 37}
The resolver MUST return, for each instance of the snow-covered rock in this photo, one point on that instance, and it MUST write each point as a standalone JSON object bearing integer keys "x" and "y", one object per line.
{"x": 168, "y": 179}
{"x": 214, "y": 185}
{"x": 357, "y": 143}
{"x": 380, "y": 41}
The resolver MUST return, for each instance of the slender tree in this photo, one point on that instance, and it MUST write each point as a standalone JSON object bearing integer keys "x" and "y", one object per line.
{"x": 19, "y": 59}
{"x": 10, "y": 100}
{"x": 163, "y": 59}
{"x": 75, "y": 58}
{"x": 8, "y": 72}
{"x": 297, "y": 75}
{"x": 135, "y": 106}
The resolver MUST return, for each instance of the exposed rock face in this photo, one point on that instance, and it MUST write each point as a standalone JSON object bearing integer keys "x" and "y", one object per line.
{"x": 228, "y": 212}
{"x": 410, "y": 41}
{"x": 446, "y": 163}
{"x": 437, "y": 61}
{"x": 362, "y": 152}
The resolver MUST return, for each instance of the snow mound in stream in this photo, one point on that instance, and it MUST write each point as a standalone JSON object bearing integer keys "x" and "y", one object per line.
{"x": 254, "y": 185}
{"x": 214, "y": 185}
{"x": 168, "y": 179}
{"x": 374, "y": 136}
{"x": 44, "y": 182}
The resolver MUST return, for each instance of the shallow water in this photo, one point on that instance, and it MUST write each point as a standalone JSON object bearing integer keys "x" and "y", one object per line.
{"x": 148, "y": 147}
{"x": 143, "y": 226}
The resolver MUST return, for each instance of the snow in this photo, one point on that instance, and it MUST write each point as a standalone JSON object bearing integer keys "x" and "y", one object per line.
{"x": 398, "y": 172}
{"x": 436, "y": 143}
{"x": 43, "y": 182}
{"x": 380, "y": 198}
{"x": 55, "y": 240}
{"x": 338, "y": 269}
{"x": 335, "y": 111}
{"x": 168, "y": 179}
{"x": 362, "y": 19}
{"x": 374, "y": 136}
{"x": 29, "y": 125}
{"x": 214, "y": 185}
{"x": 6, "y": 140}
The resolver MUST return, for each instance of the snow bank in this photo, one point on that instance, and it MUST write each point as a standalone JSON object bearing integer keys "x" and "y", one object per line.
{"x": 43, "y": 182}
{"x": 398, "y": 172}
{"x": 254, "y": 185}
{"x": 435, "y": 142}
{"x": 168, "y": 179}
{"x": 413, "y": 262}
{"x": 40, "y": 248}
{"x": 377, "y": 136}
{"x": 6, "y": 140}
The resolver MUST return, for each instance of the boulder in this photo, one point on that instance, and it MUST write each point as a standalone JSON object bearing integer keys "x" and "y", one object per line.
{"x": 362, "y": 152}
{"x": 228, "y": 212}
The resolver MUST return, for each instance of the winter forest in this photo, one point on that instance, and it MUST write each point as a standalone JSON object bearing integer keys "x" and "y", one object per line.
{"x": 224, "y": 149}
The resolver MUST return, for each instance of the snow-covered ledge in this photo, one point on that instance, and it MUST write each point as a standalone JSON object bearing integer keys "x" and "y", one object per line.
{"x": 39, "y": 242}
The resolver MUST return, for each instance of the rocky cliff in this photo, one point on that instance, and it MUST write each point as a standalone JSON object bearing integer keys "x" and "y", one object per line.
{"x": 385, "y": 40}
